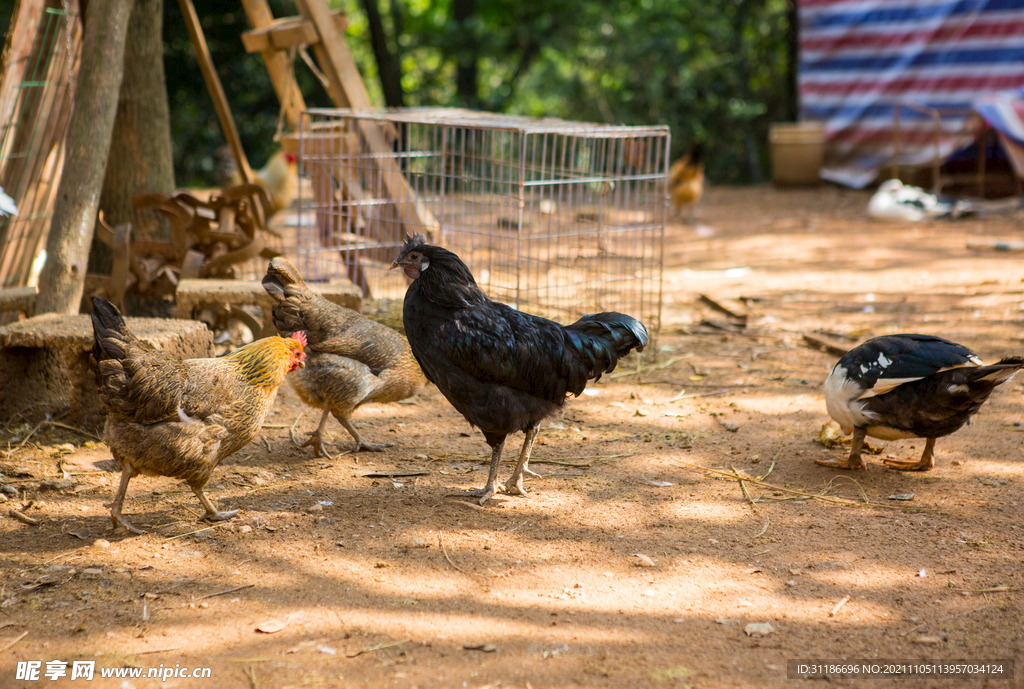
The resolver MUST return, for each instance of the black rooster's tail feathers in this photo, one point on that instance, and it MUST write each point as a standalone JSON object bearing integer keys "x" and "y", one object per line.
{"x": 602, "y": 339}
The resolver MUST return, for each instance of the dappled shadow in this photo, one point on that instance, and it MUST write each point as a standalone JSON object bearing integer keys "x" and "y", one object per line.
{"x": 380, "y": 581}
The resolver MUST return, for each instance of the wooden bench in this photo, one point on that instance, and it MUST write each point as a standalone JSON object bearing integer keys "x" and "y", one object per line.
{"x": 192, "y": 293}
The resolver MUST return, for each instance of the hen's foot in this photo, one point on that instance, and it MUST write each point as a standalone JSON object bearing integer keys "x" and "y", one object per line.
{"x": 517, "y": 487}
{"x": 317, "y": 441}
{"x": 219, "y": 516}
{"x": 372, "y": 447}
{"x": 856, "y": 463}
{"x": 484, "y": 494}
{"x": 117, "y": 519}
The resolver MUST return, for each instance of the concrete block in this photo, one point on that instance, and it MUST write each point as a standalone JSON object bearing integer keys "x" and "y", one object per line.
{"x": 46, "y": 365}
{"x": 192, "y": 293}
{"x": 21, "y": 299}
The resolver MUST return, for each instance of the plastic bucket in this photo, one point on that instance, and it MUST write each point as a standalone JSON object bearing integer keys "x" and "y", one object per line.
{"x": 798, "y": 151}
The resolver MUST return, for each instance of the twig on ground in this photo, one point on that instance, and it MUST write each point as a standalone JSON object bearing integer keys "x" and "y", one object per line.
{"x": 377, "y": 647}
{"x": 291, "y": 431}
{"x": 155, "y": 650}
{"x": 11, "y": 645}
{"x": 839, "y": 606}
{"x": 182, "y": 535}
{"x": 814, "y": 496}
{"x": 24, "y": 518}
{"x": 743, "y": 488}
{"x": 664, "y": 364}
{"x": 58, "y": 424}
{"x": 221, "y": 593}
{"x": 771, "y": 468}
{"x": 463, "y": 503}
{"x": 250, "y": 672}
{"x": 30, "y": 434}
{"x": 440, "y": 542}
{"x": 445, "y": 456}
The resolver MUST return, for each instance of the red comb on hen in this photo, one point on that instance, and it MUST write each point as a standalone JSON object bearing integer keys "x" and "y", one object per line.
{"x": 300, "y": 337}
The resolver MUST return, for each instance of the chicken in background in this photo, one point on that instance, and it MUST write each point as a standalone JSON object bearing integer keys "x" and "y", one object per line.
{"x": 686, "y": 180}
{"x": 180, "y": 418}
{"x": 279, "y": 177}
{"x": 502, "y": 369}
{"x": 908, "y": 386}
{"x": 351, "y": 360}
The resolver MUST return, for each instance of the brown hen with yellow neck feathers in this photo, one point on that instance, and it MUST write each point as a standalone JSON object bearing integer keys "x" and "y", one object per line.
{"x": 180, "y": 418}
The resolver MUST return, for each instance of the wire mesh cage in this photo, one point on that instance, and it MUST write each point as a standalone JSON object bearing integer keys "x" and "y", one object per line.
{"x": 556, "y": 218}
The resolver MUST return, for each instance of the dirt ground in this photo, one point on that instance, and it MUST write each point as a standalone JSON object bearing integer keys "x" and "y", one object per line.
{"x": 635, "y": 561}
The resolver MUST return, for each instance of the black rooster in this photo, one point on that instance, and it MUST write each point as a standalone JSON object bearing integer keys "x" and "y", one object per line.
{"x": 909, "y": 386}
{"x": 504, "y": 370}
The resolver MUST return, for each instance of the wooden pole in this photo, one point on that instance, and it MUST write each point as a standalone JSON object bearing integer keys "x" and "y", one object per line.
{"x": 88, "y": 145}
{"x": 282, "y": 73}
{"x": 220, "y": 101}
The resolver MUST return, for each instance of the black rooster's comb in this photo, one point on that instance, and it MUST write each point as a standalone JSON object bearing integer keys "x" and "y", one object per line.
{"x": 414, "y": 240}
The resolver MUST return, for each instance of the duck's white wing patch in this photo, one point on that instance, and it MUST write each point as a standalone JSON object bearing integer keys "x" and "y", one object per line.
{"x": 885, "y": 385}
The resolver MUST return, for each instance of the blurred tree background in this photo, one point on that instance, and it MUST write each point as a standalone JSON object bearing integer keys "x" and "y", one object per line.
{"x": 713, "y": 71}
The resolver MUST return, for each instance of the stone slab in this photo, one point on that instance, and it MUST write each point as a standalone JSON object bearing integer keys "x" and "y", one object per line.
{"x": 21, "y": 299}
{"x": 46, "y": 366}
{"x": 192, "y": 293}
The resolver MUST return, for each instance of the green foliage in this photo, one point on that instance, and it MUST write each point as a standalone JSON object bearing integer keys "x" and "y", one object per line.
{"x": 195, "y": 130}
{"x": 713, "y": 71}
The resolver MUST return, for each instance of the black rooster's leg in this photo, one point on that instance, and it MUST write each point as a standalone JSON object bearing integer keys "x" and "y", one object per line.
{"x": 526, "y": 464}
{"x": 360, "y": 443}
{"x": 127, "y": 473}
{"x": 316, "y": 438}
{"x": 926, "y": 462}
{"x": 515, "y": 482}
{"x": 854, "y": 461}
{"x": 497, "y": 443}
{"x": 212, "y": 515}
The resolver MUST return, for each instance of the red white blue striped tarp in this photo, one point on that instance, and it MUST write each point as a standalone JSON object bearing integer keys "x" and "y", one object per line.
{"x": 861, "y": 59}
{"x": 1004, "y": 112}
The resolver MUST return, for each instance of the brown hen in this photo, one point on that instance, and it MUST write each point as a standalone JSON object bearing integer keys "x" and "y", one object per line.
{"x": 352, "y": 360}
{"x": 169, "y": 417}
{"x": 686, "y": 180}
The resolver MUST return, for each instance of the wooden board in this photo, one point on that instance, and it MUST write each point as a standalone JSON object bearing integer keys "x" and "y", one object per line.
{"x": 286, "y": 33}
{"x": 279, "y": 67}
{"x": 220, "y": 101}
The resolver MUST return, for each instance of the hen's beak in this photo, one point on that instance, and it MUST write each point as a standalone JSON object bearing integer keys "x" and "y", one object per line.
{"x": 395, "y": 264}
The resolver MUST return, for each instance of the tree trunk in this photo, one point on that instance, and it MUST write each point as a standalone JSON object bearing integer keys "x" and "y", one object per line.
{"x": 140, "y": 148}
{"x": 467, "y": 84}
{"x": 88, "y": 146}
{"x": 388, "y": 66}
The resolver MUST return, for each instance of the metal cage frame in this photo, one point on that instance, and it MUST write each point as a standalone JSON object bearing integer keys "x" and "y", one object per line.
{"x": 553, "y": 217}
